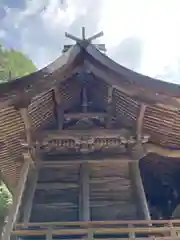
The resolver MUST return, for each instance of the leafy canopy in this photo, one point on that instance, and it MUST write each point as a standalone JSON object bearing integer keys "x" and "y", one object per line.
{"x": 14, "y": 64}
{"x": 5, "y": 201}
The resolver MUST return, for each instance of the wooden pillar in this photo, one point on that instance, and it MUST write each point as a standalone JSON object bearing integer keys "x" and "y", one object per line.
{"x": 58, "y": 108}
{"x": 49, "y": 235}
{"x": 109, "y": 107}
{"x": 32, "y": 183}
{"x": 84, "y": 99}
{"x": 17, "y": 198}
{"x": 84, "y": 203}
{"x": 27, "y": 122}
{"x": 138, "y": 190}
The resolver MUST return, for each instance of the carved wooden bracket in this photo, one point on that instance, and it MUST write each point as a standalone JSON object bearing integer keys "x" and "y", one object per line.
{"x": 89, "y": 141}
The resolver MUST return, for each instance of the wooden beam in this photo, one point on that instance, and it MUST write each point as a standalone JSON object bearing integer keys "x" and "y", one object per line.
{"x": 138, "y": 190}
{"x": 60, "y": 163}
{"x": 55, "y": 185}
{"x": 148, "y": 148}
{"x": 33, "y": 178}
{"x": 58, "y": 108}
{"x": 84, "y": 115}
{"x": 107, "y": 230}
{"x": 140, "y": 118}
{"x": 84, "y": 204}
{"x": 161, "y": 151}
{"x": 60, "y": 185}
{"x": 95, "y": 36}
{"x": 70, "y": 36}
{"x": 104, "y": 133}
{"x": 96, "y": 224}
{"x": 17, "y": 198}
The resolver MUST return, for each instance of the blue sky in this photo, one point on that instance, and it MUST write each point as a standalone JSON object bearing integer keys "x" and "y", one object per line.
{"x": 140, "y": 34}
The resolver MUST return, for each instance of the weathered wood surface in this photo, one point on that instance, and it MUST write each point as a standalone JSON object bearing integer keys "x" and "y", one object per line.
{"x": 17, "y": 198}
{"x": 28, "y": 196}
{"x": 117, "y": 229}
{"x": 84, "y": 192}
{"x": 130, "y": 90}
{"x": 110, "y": 192}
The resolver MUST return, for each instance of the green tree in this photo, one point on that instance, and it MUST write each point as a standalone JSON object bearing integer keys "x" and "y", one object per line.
{"x": 14, "y": 64}
{"x": 5, "y": 202}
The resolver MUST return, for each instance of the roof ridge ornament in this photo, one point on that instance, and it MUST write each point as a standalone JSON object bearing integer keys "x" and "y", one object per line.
{"x": 101, "y": 47}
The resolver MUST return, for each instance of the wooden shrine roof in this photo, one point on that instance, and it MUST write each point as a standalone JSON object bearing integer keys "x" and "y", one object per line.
{"x": 161, "y": 119}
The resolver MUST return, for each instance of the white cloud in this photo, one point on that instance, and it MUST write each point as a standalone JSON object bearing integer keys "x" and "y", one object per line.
{"x": 155, "y": 22}
{"x": 41, "y": 26}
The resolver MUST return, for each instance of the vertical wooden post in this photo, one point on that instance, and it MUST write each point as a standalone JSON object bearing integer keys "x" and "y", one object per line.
{"x": 83, "y": 33}
{"x": 109, "y": 107}
{"x": 27, "y": 122}
{"x": 84, "y": 100}
{"x": 30, "y": 196}
{"x": 58, "y": 109}
{"x": 84, "y": 205}
{"x": 138, "y": 190}
{"x": 49, "y": 235}
{"x": 13, "y": 213}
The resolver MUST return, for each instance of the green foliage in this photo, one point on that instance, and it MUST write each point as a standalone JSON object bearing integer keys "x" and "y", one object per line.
{"x": 14, "y": 64}
{"x": 5, "y": 201}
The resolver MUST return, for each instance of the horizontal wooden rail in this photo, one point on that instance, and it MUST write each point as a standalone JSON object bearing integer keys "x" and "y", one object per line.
{"x": 98, "y": 223}
{"x": 160, "y": 229}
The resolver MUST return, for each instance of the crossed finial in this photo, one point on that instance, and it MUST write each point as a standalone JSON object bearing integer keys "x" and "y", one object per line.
{"x": 101, "y": 47}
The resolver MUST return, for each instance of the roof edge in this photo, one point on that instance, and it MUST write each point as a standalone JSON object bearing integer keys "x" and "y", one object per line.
{"x": 142, "y": 81}
{"x": 39, "y": 80}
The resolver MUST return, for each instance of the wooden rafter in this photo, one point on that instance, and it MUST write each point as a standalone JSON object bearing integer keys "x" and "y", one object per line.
{"x": 101, "y": 47}
{"x": 135, "y": 93}
{"x": 140, "y": 119}
{"x": 58, "y": 108}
